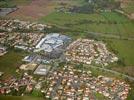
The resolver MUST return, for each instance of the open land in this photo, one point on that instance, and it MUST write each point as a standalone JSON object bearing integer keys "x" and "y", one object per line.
{"x": 20, "y": 98}
{"x": 10, "y": 61}
{"x": 34, "y": 10}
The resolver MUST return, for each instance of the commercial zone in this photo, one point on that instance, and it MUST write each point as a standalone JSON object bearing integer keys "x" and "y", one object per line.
{"x": 53, "y": 44}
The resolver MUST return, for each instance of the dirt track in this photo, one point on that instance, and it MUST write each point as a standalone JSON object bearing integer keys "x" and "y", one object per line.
{"x": 124, "y": 4}
{"x": 34, "y": 10}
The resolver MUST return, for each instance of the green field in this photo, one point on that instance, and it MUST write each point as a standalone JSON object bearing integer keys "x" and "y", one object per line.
{"x": 19, "y": 98}
{"x": 13, "y": 3}
{"x": 106, "y": 22}
{"x": 124, "y": 49}
{"x": 10, "y": 61}
{"x": 72, "y": 2}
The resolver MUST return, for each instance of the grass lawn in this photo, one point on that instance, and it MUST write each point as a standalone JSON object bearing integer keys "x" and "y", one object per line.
{"x": 36, "y": 93}
{"x": 10, "y": 61}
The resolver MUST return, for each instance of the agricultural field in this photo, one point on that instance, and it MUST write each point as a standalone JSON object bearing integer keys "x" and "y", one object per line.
{"x": 106, "y": 22}
{"x": 35, "y": 9}
{"x": 124, "y": 49}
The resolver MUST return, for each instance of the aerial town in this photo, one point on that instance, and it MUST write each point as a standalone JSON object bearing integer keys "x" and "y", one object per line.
{"x": 67, "y": 82}
{"x": 66, "y": 50}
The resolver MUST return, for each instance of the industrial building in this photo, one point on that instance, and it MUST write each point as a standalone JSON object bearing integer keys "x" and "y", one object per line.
{"x": 53, "y": 45}
{"x": 42, "y": 69}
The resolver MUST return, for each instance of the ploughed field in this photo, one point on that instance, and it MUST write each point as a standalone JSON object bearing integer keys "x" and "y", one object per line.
{"x": 33, "y": 10}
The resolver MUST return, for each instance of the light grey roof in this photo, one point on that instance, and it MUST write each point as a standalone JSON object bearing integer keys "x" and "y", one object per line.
{"x": 52, "y": 42}
{"x": 42, "y": 70}
{"x": 47, "y": 48}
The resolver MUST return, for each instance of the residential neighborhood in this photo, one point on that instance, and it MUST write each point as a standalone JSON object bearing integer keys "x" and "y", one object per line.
{"x": 70, "y": 83}
{"x": 9, "y": 85}
{"x": 89, "y": 52}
